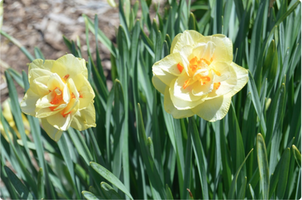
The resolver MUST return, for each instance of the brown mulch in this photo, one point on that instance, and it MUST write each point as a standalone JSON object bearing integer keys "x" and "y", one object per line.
{"x": 41, "y": 23}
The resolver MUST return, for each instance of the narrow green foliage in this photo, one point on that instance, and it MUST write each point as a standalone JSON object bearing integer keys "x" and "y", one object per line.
{"x": 89, "y": 195}
{"x": 22, "y": 190}
{"x": 263, "y": 166}
{"x": 109, "y": 177}
{"x": 138, "y": 150}
{"x": 297, "y": 155}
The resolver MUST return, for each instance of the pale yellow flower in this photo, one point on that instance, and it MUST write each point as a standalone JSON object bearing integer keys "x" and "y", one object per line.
{"x": 199, "y": 76}
{"x": 112, "y": 3}
{"x": 7, "y": 114}
{"x": 60, "y": 95}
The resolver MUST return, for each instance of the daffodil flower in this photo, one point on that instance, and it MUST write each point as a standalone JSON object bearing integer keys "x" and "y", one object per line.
{"x": 7, "y": 113}
{"x": 199, "y": 76}
{"x": 60, "y": 95}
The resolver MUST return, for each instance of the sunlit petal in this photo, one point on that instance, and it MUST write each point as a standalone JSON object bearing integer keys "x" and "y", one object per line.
{"x": 170, "y": 108}
{"x": 84, "y": 118}
{"x": 214, "y": 109}
{"x": 51, "y": 131}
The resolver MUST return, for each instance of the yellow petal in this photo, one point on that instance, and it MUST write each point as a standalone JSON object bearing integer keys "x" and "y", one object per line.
{"x": 37, "y": 72}
{"x": 190, "y": 38}
{"x": 28, "y": 104}
{"x": 40, "y": 85}
{"x": 174, "y": 42}
{"x": 112, "y": 3}
{"x": 186, "y": 55}
{"x": 204, "y": 50}
{"x": 223, "y": 47}
{"x": 51, "y": 131}
{"x": 59, "y": 122}
{"x": 84, "y": 118}
{"x": 26, "y": 124}
{"x": 40, "y": 64}
{"x": 43, "y": 107}
{"x": 228, "y": 80}
{"x": 168, "y": 64}
{"x": 242, "y": 78}
{"x": 214, "y": 109}
{"x": 183, "y": 99}
{"x": 5, "y": 134}
{"x": 158, "y": 84}
{"x": 54, "y": 81}
{"x": 86, "y": 93}
{"x": 164, "y": 76}
{"x": 7, "y": 113}
{"x": 70, "y": 65}
{"x": 177, "y": 90}
{"x": 202, "y": 90}
{"x": 72, "y": 88}
{"x": 44, "y": 102}
{"x": 170, "y": 108}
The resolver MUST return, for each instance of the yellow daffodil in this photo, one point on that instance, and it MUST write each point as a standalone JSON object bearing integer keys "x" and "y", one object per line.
{"x": 60, "y": 95}
{"x": 7, "y": 114}
{"x": 199, "y": 76}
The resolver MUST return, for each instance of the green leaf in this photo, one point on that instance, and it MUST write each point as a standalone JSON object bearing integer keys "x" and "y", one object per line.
{"x": 256, "y": 102}
{"x": 109, "y": 192}
{"x": 192, "y": 22}
{"x": 16, "y": 112}
{"x": 234, "y": 182}
{"x": 100, "y": 35}
{"x": 18, "y": 44}
{"x": 80, "y": 145}
{"x": 39, "y": 54}
{"x": 16, "y": 76}
{"x": 110, "y": 177}
{"x": 241, "y": 193}
{"x": 10, "y": 188}
{"x": 152, "y": 172}
{"x": 252, "y": 191}
{"x": 271, "y": 61}
{"x": 199, "y": 154}
{"x": 263, "y": 166}
{"x": 188, "y": 165}
{"x": 297, "y": 155}
{"x": 169, "y": 193}
{"x": 64, "y": 149}
{"x": 283, "y": 176}
{"x": 89, "y": 196}
{"x": 19, "y": 186}
{"x": 41, "y": 184}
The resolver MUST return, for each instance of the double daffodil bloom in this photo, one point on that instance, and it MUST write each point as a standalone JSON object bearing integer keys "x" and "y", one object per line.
{"x": 199, "y": 76}
{"x": 60, "y": 95}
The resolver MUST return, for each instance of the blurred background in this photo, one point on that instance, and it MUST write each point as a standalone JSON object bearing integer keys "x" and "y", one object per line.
{"x": 42, "y": 23}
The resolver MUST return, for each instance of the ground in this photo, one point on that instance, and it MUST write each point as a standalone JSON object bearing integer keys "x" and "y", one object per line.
{"x": 41, "y": 23}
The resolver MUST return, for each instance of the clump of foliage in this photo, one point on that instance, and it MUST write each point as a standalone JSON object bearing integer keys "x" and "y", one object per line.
{"x": 137, "y": 150}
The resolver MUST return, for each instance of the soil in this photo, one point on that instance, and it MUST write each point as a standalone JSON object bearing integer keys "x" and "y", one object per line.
{"x": 41, "y": 23}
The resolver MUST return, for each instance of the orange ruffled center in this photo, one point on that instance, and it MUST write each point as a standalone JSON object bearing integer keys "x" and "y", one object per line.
{"x": 198, "y": 71}
{"x": 57, "y": 98}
